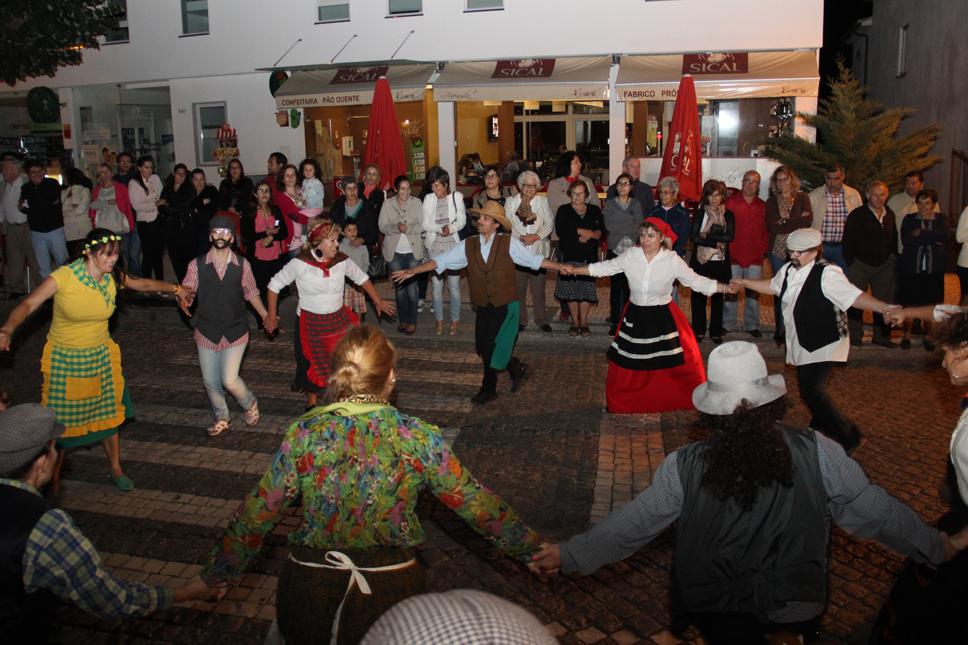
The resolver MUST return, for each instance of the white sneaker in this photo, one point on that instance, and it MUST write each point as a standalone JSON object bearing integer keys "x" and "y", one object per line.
{"x": 420, "y": 306}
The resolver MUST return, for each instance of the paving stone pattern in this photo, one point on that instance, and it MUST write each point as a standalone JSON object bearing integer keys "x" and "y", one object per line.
{"x": 550, "y": 449}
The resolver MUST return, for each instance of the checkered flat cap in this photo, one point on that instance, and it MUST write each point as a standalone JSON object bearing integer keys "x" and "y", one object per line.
{"x": 24, "y": 429}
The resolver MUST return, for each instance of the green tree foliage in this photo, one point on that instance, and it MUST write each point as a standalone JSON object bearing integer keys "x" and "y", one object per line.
{"x": 38, "y": 36}
{"x": 858, "y": 133}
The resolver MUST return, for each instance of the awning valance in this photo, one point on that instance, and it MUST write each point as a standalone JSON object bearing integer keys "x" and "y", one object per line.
{"x": 533, "y": 79}
{"x": 351, "y": 85}
{"x": 719, "y": 76}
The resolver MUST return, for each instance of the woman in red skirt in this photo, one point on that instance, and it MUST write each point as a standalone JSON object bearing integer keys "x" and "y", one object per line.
{"x": 654, "y": 362}
{"x": 319, "y": 272}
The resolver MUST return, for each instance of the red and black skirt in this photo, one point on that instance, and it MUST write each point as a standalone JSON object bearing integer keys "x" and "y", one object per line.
{"x": 315, "y": 340}
{"x": 654, "y": 362}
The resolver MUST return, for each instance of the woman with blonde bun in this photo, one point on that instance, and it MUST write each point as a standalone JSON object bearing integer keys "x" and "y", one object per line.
{"x": 358, "y": 464}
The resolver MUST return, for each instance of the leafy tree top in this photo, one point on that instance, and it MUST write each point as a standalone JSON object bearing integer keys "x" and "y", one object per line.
{"x": 39, "y": 36}
{"x": 860, "y": 134}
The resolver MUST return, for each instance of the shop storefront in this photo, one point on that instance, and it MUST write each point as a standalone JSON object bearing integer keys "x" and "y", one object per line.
{"x": 335, "y": 103}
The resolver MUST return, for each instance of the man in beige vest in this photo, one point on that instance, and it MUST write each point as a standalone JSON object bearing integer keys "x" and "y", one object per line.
{"x": 490, "y": 257}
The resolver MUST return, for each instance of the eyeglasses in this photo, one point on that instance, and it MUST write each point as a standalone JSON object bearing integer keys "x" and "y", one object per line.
{"x": 221, "y": 232}
{"x": 491, "y": 175}
{"x": 264, "y": 191}
{"x": 624, "y": 183}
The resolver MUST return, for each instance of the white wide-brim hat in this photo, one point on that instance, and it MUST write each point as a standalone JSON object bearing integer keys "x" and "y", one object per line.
{"x": 736, "y": 372}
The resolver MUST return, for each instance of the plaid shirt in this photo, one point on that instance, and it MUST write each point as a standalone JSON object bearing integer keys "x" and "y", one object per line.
{"x": 60, "y": 559}
{"x": 249, "y": 289}
{"x": 832, "y": 227}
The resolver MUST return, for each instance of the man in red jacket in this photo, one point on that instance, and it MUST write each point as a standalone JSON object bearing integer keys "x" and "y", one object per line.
{"x": 111, "y": 209}
{"x": 747, "y": 251}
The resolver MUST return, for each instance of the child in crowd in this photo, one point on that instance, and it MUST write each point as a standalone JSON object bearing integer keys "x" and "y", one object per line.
{"x": 311, "y": 196}
{"x": 353, "y": 296}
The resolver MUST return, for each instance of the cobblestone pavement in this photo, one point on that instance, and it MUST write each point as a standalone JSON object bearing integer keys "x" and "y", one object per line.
{"x": 549, "y": 449}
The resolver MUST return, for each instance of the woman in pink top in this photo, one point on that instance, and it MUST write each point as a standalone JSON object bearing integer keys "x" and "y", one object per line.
{"x": 264, "y": 232}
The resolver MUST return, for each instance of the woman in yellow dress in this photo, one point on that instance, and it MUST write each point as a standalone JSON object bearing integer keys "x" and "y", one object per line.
{"x": 81, "y": 364}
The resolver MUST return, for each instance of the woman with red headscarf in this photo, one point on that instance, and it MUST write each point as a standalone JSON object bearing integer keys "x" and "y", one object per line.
{"x": 654, "y": 362}
{"x": 319, "y": 272}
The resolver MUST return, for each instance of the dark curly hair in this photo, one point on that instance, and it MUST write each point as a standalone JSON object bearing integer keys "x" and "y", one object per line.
{"x": 746, "y": 452}
{"x": 953, "y": 331}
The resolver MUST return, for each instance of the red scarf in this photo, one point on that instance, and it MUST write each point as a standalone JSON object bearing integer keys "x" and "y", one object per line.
{"x": 324, "y": 265}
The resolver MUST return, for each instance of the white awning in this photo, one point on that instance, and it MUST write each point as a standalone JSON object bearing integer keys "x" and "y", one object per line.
{"x": 719, "y": 76}
{"x": 351, "y": 85}
{"x": 533, "y": 79}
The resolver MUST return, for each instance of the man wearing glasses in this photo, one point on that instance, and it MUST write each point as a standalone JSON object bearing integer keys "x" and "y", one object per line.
{"x": 814, "y": 298}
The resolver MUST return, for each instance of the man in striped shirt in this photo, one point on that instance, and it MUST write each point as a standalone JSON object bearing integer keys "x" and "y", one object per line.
{"x": 45, "y": 557}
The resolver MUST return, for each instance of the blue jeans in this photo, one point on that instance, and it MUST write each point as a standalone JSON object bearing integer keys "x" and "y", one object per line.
{"x": 751, "y": 307}
{"x": 131, "y": 252}
{"x": 48, "y": 245}
{"x": 406, "y": 293}
{"x": 453, "y": 288}
{"x": 220, "y": 372}
{"x": 834, "y": 253}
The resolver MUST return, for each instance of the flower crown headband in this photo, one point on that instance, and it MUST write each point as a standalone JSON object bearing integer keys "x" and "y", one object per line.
{"x": 96, "y": 242}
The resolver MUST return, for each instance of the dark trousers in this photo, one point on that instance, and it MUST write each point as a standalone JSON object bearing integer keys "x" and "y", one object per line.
{"x": 152, "y": 236}
{"x": 406, "y": 293}
{"x": 721, "y": 272}
{"x": 486, "y": 326}
{"x": 963, "y": 280}
{"x": 182, "y": 245}
{"x": 732, "y": 628}
{"x": 618, "y": 294}
{"x": 880, "y": 279}
{"x": 826, "y": 416}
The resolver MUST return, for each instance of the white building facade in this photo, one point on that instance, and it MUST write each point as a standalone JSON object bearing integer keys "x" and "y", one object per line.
{"x": 615, "y": 63}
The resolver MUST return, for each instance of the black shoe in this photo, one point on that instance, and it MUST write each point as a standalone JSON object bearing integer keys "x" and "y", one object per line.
{"x": 521, "y": 328}
{"x": 612, "y": 330}
{"x": 755, "y": 333}
{"x": 546, "y": 328}
{"x": 928, "y": 345}
{"x": 884, "y": 342}
{"x": 905, "y": 343}
{"x": 519, "y": 376}
{"x": 779, "y": 340}
{"x": 856, "y": 343}
{"x": 699, "y": 338}
{"x": 484, "y": 396}
{"x": 856, "y": 442}
{"x": 717, "y": 339}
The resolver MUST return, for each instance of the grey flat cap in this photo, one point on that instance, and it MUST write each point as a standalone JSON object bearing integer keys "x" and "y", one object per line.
{"x": 24, "y": 429}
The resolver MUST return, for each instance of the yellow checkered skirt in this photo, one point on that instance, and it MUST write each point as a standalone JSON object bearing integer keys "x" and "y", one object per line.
{"x": 85, "y": 390}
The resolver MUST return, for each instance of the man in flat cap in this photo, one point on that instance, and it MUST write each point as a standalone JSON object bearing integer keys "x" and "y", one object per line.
{"x": 44, "y": 556}
{"x": 814, "y": 298}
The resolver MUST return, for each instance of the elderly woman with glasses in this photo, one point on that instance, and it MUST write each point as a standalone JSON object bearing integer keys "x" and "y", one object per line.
{"x": 531, "y": 223}
{"x": 623, "y": 214}
{"x": 713, "y": 228}
{"x": 492, "y": 191}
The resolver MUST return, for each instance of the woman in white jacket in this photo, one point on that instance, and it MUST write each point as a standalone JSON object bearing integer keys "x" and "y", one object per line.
{"x": 144, "y": 191}
{"x": 75, "y": 200}
{"x": 532, "y": 223}
{"x": 443, "y": 217}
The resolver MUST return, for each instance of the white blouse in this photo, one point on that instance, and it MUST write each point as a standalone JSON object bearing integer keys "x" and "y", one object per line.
{"x": 959, "y": 454}
{"x": 651, "y": 282}
{"x": 318, "y": 294}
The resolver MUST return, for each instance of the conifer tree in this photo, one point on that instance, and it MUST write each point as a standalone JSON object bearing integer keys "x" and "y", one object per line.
{"x": 860, "y": 134}
{"x": 38, "y": 36}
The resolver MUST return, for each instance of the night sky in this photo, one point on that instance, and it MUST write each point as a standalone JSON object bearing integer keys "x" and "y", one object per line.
{"x": 839, "y": 18}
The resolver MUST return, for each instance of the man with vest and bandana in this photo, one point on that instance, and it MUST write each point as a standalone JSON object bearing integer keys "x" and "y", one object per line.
{"x": 752, "y": 502}
{"x": 490, "y": 257}
{"x": 814, "y": 298}
{"x": 222, "y": 281}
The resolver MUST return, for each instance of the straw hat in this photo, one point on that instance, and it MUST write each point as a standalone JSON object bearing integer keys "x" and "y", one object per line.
{"x": 736, "y": 371}
{"x": 495, "y": 211}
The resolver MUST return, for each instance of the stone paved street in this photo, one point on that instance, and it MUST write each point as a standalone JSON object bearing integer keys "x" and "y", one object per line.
{"x": 550, "y": 449}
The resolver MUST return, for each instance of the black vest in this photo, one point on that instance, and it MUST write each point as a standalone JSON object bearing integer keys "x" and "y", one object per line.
{"x": 23, "y": 618}
{"x": 221, "y": 303}
{"x": 817, "y": 320}
{"x": 730, "y": 560}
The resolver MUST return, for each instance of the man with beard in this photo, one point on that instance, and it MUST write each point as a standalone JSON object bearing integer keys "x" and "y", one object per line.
{"x": 814, "y": 298}
{"x": 222, "y": 281}
{"x": 752, "y": 502}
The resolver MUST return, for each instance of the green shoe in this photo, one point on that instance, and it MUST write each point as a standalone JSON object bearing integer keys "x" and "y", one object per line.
{"x": 124, "y": 483}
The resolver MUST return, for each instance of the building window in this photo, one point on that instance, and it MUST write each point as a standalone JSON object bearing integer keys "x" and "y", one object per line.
{"x": 209, "y": 117}
{"x": 332, "y": 11}
{"x": 901, "y": 49}
{"x": 120, "y": 33}
{"x": 194, "y": 16}
{"x": 485, "y": 5}
{"x": 404, "y": 7}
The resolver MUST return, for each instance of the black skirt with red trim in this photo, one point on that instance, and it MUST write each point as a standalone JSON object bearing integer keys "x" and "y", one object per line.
{"x": 654, "y": 362}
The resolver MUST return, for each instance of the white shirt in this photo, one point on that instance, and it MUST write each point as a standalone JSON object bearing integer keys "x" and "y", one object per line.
{"x": 456, "y": 258}
{"x": 651, "y": 282}
{"x": 959, "y": 454}
{"x": 542, "y": 226}
{"x": 836, "y": 288}
{"x": 10, "y": 200}
{"x": 144, "y": 203}
{"x": 317, "y": 293}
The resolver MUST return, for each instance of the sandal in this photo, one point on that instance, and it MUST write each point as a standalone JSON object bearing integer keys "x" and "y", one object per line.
{"x": 585, "y": 331}
{"x": 252, "y": 415}
{"x": 453, "y": 328}
{"x": 440, "y": 328}
{"x": 218, "y": 427}
{"x": 573, "y": 331}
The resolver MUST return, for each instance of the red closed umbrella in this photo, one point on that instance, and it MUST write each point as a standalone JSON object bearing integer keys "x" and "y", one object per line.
{"x": 384, "y": 147}
{"x": 683, "y": 154}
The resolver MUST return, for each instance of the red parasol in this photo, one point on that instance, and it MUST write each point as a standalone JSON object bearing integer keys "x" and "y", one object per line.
{"x": 683, "y": 158}
{"x": 384, "y": 147}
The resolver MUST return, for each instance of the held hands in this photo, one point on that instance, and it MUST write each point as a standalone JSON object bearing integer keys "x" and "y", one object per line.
{"x": 894, "y": 315}
{"x": 197, "y": 589}
{"x": 547, "y": 561}
{"x": 4, "y": 341}
{"x": 185, "y": 298}
{"x": 731, "y": 288}
{"x": 566, "y": 269}
{"x": 270, "y": 323}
